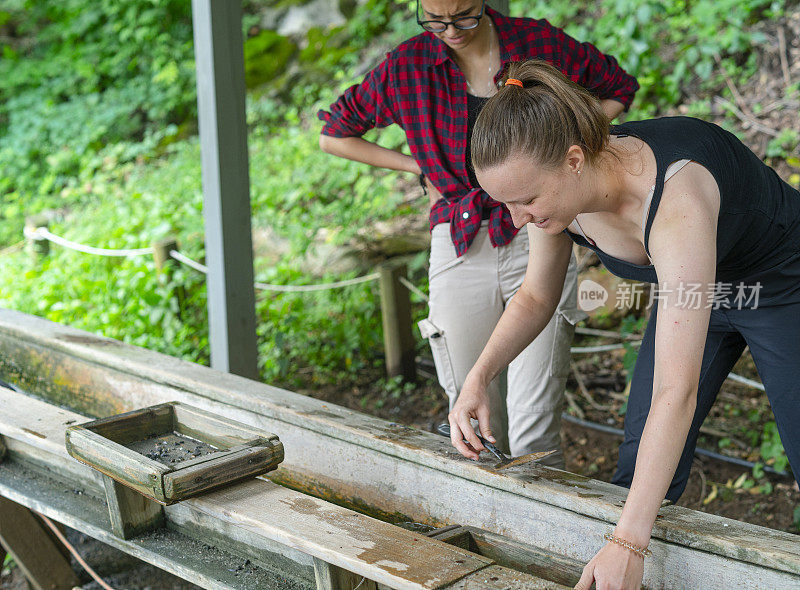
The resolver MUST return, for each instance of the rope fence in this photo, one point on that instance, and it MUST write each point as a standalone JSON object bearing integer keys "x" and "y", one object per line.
{"x": 400, "y": 315}
{"x": 42, "y": 233}
{"x": 283, "y": 288}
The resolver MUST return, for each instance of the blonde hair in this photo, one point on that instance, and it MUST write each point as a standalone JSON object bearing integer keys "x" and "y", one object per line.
{"x": 542, "y": 119}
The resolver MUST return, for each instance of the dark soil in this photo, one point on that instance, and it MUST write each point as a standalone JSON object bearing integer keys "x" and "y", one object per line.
{"x": 171, "y": 448}
{"x": 116, "y": 568}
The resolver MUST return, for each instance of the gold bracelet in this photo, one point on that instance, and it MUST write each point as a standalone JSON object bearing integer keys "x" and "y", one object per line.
{"x": 640, "y": 551}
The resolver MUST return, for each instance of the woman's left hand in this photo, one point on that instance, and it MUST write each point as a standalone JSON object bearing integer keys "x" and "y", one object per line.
{"x": 613, "y": 567}
{"x": 433, "y": 193}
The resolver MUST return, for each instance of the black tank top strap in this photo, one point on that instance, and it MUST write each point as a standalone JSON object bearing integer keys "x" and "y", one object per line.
{"x": 662, "y": 161}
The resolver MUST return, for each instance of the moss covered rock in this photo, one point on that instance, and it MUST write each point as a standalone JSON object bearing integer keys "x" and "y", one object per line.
{"x": 266, "y": 55}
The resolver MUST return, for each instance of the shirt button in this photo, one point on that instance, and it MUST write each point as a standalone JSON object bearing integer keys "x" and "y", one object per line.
{"x": 465, "y": 215}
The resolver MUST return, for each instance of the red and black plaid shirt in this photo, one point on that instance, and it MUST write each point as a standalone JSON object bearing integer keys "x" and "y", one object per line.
{"x": 419, "y": 87}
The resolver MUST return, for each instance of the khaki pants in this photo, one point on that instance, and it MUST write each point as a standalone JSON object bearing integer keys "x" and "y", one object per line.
{"x": 467, "y": 297}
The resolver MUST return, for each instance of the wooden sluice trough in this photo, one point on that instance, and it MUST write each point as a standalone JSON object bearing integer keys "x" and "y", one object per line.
{"x": 304, "y": 525}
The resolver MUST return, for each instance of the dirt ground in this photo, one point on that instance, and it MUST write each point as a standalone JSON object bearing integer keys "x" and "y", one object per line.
{"x": 116, "y": 568}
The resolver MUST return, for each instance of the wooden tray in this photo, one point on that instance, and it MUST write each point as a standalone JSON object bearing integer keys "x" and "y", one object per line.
{"x": 172, "y": 451}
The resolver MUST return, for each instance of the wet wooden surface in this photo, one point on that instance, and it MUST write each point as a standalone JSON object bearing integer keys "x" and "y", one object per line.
{"x": 382, "y": 552}
{"x": 206, "y": 566}
{"x": 397, "y": 469}
{"x": 513, "y": 554}
{"x": 379, "y": 551}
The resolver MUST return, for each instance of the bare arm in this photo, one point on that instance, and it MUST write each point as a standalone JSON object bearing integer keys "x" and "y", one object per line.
{"x": 683, "y": 249}
{"x": 525, "y": 317}
{"x": 367, "y": 152}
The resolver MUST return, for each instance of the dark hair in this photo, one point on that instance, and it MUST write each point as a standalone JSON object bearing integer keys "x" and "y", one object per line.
{"x": 543, "y": 119}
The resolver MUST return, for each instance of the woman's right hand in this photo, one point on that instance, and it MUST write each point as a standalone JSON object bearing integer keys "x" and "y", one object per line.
{"x": 472, "y": 402}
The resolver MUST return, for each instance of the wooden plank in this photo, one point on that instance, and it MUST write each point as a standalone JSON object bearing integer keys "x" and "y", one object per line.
{"x": 330, "y": 577}
{"x": 34, "y": 551}
{"x": 129, "y": 467}
{"x": 351, "y": 457}
{"x": 458, "y": 536}
{"x": 351, "y": 541}
{"x": 571, "y": 534}
{"x": 214, "y": 429}
{"x": 135, "y": 425}
{"x": 357, "y": 543}
{"x": 201, "y": 561}
{"x": 526, "y": 558}
{"x": 240, "y": 540}
{"x": 496, "y": 577}
{"x": 245, "y": 463}
{"x": 513, "y": 554}
{"x": 35, "y": 429}
{"x": 130, "y": 512}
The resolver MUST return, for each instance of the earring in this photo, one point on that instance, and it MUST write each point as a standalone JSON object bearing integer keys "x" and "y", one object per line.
{"x": 578, "y": 171}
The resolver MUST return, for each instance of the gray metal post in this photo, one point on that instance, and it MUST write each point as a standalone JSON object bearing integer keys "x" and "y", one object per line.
{"x": 218, "y": 49}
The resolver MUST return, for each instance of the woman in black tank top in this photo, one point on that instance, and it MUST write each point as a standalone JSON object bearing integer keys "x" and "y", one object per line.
{"x": 720, "y": 238}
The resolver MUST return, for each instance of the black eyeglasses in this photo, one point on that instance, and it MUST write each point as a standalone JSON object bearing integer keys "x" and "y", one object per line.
{"x": 463, "y": 23}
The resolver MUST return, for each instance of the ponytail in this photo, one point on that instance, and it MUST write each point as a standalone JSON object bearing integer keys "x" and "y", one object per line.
{"x": 542, "y": 118}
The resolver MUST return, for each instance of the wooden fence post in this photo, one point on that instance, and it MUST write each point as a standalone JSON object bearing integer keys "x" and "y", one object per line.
{"x": 38, "y": 246}
{"x": 398, "y": 340}
{"x": 166, "y": 264}
{"x": 161, "y": 254}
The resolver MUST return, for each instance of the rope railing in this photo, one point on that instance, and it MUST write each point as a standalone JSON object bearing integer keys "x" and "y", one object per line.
{"x": 415, "y": 290}
{"x": 283, "y": 288}
{"x": 42, "y": 233}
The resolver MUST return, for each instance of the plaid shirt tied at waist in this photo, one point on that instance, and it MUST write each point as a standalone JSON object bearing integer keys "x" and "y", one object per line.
{"x": 419, "y": 87}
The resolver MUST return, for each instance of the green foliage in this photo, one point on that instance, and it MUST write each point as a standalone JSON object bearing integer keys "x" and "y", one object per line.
{"x": 796, "y": 518}
{"x": 79, "y": 78}
{"x": 630, "y": 325}
{"x": 265, "y": 56}
{"x": 324, "y": 335}
{"x": 771, "y": 449}
{"x": 122, "y": 298}
{"x": 668, "y": 46}
{"x": 133, "y": 205}
{"x": 785, "y": 144}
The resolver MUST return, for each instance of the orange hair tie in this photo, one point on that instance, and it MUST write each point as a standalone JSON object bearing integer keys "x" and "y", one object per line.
{"x": 514, "y": 82}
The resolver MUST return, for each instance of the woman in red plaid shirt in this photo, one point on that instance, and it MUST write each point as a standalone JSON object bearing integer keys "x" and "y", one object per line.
{"x": 433, "y": 86}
